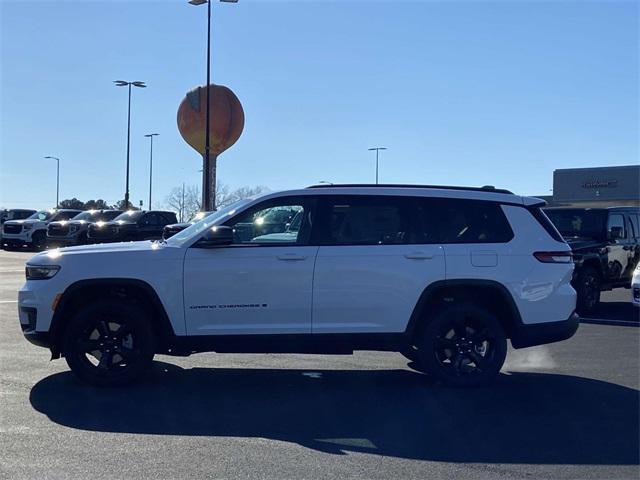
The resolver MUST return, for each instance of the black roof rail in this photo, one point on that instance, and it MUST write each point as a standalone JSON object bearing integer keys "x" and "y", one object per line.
{"x": 486, "y": 188}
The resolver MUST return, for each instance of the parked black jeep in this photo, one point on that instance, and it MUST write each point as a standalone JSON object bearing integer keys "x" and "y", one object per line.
{"x": 606, "y": 248}
{"x": 131, "y": 225}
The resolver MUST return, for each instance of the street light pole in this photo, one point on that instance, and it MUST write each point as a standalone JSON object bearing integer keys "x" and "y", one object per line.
{"x": 150, "y": 136}
{"x": 122, "y": 83}
{"x": 208, "y": 183}
{"x": 57, "y": 180}
{"x": 377, "y": 149}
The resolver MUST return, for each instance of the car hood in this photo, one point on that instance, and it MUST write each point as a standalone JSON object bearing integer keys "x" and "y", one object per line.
{"x": 128, "y": 253}
{"x": 578, "y": 244}
{"x": 179, "y": 225}
{"x": 140, "y": 246}
{"x": 113, "y": 223}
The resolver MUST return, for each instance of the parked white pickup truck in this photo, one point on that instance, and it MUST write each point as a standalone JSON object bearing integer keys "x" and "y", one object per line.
{"x": 32, "y": 231}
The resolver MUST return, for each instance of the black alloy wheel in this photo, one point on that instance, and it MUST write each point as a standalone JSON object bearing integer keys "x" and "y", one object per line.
{"x": 463, "y": 345}
{"x": 109, "y": 343}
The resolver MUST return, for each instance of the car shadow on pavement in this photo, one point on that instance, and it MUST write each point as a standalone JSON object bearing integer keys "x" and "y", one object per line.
{"x": 533, "y": 418}
{"x": 610, "y": 312}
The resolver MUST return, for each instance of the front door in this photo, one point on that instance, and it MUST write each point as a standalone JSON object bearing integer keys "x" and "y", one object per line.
{"x": 262, "y": 284}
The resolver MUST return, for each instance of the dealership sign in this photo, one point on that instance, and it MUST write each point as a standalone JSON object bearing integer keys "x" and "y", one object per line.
{"x": 600, "y": 184}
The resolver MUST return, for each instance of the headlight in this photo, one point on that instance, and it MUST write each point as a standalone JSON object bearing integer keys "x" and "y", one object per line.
{"x": 27, "y": 226}
{"x": 41, "y": 272}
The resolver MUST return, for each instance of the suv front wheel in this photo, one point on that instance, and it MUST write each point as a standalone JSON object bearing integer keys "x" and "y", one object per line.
{"x": 109, "y": 343}
{"x": 462, "y": 346}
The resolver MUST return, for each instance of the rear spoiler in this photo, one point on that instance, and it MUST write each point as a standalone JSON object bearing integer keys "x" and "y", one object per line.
{"x": 533, "y": 202}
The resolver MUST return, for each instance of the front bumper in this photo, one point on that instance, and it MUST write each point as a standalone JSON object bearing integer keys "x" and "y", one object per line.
{"x": 28, "y": 321}
{"x": 15, "y": 241}
{"x": 529, "y": 335}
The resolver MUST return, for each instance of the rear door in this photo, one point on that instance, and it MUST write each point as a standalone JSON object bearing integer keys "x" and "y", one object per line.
{"x": 372, "y": 265}
{"x": 475, "y": 235}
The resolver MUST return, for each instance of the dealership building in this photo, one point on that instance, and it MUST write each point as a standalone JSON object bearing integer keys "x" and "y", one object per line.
{"x": 595, "y": 187}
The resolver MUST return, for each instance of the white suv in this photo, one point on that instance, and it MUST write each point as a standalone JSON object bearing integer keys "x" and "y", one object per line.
{"x": 444, "y": 275}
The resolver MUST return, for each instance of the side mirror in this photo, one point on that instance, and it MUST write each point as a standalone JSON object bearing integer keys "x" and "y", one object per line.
{"x": 615, "y": 233}
{"x": 215, "y": 237}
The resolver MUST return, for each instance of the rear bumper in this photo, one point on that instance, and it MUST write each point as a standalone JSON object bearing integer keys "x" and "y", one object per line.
{"x": 541, "y": 333}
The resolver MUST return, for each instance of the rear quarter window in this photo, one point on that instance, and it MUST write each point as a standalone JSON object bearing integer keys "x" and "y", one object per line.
{"x": 449, "y": 220}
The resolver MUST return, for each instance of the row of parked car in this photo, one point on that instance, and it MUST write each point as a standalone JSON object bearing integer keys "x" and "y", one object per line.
{"x": 37, "y": 230}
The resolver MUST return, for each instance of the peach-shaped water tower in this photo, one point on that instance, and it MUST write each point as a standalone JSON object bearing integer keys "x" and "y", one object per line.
{"x": 225, "y": 126}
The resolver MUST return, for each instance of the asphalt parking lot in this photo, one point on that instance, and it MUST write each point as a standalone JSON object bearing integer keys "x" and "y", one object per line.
{"x": 567, "y": 410}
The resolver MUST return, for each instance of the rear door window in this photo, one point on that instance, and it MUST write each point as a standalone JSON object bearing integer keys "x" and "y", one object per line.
{"x": 449, "y": 220}
{"x": 366, "y": 220}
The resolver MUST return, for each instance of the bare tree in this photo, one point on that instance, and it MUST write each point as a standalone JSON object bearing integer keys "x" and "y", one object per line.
{"x": 225, "y": 196}
{"x": 186, "y": 200}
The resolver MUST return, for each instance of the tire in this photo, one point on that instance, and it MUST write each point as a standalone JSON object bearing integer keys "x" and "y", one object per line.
{"x": 39, "y": 241}
{"x": 588, "y": 286}
{"x": 109, "y": 343}
{"x": 462, "y": 346}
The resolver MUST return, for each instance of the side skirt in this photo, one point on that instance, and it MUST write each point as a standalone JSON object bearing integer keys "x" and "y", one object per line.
{"x": 336, "y": 344}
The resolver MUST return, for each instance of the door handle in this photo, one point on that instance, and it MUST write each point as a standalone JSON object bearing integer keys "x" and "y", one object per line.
{"x": 418, "y": 256}
{"x": 291, "y": 257}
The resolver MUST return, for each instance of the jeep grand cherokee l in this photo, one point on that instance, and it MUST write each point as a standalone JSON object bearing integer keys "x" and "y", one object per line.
{"x": 444, "y": 275}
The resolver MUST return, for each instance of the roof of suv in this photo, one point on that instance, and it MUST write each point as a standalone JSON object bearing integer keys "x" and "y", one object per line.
{"x": 602, "y": 209}
{"x": 486, "y": 188}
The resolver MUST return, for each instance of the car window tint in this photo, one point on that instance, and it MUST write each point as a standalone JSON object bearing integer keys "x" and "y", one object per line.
{"x": 370, "y": 220}
{"x": 616, "y": 220}
{"x": 273, "y": 223}
{"x": 447, "y": 220}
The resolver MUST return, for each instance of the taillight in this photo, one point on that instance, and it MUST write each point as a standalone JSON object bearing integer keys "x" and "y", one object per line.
{"x": 554, "y": 257}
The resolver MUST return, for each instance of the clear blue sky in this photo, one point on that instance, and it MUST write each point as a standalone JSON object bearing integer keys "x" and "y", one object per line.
{"x": 466, "y": 93}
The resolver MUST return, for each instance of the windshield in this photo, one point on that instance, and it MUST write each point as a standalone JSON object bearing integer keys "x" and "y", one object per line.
{"x": 578, "y": 223}
{"x": 214, "y": 219}
{"x": 42, "y": 215}
{"x": 129, "y": 216}
{"x": 88, "y": 216}
{"x": 199, "y": 216}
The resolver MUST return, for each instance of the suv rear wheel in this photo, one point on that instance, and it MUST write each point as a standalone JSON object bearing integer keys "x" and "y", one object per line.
{"x": 462, "y": 346}
{"x": 109, "y": 343}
